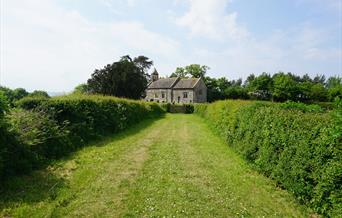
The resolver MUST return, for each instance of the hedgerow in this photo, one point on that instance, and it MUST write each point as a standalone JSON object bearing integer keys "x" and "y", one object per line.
{"x": 298, "y": 146}
{"x": 41, "y": 129}
{"x": 13, "y": 155}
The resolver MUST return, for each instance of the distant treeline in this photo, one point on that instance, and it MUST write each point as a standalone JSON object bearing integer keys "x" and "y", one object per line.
{"x": 13, "y": 95}
{"x": 278, "y": 87}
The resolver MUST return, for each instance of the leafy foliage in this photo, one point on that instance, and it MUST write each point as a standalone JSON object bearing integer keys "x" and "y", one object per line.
{"x": 13, "y": 95}
{"x": 298, "y": 146}
{"x": 125, "y": 78}
{"x": 40, "y": 133}
{"x": 81, "y": 89}
{"x": 39, "y": 94}
{"x": 13, "y": 156}
{"x": 290, "y": 105}
{"x": 193, "y": 70}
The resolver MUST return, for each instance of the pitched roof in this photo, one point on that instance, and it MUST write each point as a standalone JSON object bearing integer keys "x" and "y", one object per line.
{"x": 174, "y": 82}
{"x": 163, "y": 83}
{"x": 186, "y": 83}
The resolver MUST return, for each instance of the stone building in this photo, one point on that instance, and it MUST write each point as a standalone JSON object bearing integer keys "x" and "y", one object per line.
{"x": 176, "y": 90}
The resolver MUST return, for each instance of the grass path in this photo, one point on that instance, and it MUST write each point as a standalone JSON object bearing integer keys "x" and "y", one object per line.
{"x": 172, "y": 167}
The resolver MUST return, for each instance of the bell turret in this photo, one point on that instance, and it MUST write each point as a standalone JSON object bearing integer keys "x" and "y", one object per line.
{"x": 155, "y": 75}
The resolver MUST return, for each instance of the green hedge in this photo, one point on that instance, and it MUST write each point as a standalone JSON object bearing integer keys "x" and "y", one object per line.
{"x": 43, "y": 129}
{"x": 298, "y": 148}
{"x": 13, "y": 155}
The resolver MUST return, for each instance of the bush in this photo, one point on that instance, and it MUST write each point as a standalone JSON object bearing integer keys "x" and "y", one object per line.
{"x": 41, "y": 134}
{"x": 189, "y": 108}
{"x": 293, "y": 144}
{"x": 14, "y": 157}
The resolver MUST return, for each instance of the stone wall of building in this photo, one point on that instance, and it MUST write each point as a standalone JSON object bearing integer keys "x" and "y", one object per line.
{"x": 200, "y": 92}
{"x": 178, "y": 96}
{"x": 157, "y": 95}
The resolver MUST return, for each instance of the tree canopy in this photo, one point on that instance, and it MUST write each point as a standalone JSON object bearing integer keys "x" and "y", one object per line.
{"x": 193, "y": 70}
{"x": 124, "y": 78}
{"x": 39, "y": 94}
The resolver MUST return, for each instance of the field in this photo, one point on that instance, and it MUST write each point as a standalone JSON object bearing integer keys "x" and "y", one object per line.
{"x": 169, "y": 167}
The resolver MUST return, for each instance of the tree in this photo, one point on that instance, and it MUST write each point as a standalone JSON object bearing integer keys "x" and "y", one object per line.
{"x": 222, "y": 84}
{"x": 19, "y": 93}
{"x": 39, "y": 94}
{"x": 249, "y": 80}
{"x": 318, "y": 93}
{"x": 306, "y": 78}
{"x": 196, "y": 70}
{"x": 180, "y": 72}
{"x": 319, "y": 79}
{"x": 13, "y": 95}
{"x": 236, "y": 92}
{"x": 284, "y": 87}
{"x": 260, "y": 86}
{"x": 305, "y": 90}
{"x": 143, "y": 63}
{"x": 3, "y": 104}
{"x": 334, "y": 86}
{"x": 124, "y": 78}
{"x": 81, "y": 89}
{"x": 213, "y": 92}
{"x": 8, "y": 93}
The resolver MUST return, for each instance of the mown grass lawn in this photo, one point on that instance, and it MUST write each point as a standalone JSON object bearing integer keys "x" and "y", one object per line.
{"x": 172, "y": 167}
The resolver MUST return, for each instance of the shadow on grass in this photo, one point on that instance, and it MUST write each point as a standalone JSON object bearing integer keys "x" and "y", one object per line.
{"x": 44, "y": 184}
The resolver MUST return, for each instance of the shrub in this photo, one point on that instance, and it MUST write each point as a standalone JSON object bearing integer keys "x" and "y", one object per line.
{"x": 13, "y": 156}
{"x": 41, "y": 134}
{"x": 189, "y": 108}
{"x": 294, "y": 144}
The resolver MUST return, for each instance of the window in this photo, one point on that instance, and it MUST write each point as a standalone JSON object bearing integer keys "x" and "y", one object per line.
{"x": 163, "y": 94}
{"x": 156, "y": 95}
{"x": 185, "y": 95}
{"x": 200, "y": 92}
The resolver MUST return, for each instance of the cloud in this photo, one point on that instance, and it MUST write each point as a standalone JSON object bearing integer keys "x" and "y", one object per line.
{"x": 47, "y": 47}
{"x": 299, "y": 50}
{"x": 210, "y": 19}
